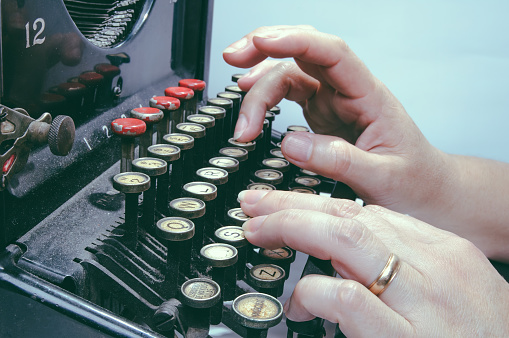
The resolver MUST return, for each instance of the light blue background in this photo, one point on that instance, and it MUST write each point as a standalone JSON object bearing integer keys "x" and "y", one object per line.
{"x": 446, "y": 61}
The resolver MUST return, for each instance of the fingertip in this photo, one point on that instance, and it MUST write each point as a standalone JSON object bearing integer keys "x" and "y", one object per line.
{"x": 298, "y": 146}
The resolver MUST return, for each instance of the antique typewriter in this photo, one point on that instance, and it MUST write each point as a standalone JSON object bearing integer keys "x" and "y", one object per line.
{"x": 118, "y": 210}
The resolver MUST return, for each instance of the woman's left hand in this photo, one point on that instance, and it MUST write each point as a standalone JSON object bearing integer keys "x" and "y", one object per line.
{"x": 445, "y": 286}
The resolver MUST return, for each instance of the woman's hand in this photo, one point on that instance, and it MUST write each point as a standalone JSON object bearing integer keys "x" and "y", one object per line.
{"x": 363, "y": 136}
{"x": 445, "y": 286}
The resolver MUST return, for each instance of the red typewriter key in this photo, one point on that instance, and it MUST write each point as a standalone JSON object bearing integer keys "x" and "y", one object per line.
{"x": 170, "y": 106}
{"x": 198, "y": 86}
{"x": 186, "y": 97}
{"x": 150, "y": 116}
{"x": 92, "y": 80}
{"x": 128, "y": 129}
{"x": 107, "y": 70}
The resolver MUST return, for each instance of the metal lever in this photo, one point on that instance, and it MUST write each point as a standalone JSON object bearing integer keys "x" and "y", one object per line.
{"x": 19, "y": 133}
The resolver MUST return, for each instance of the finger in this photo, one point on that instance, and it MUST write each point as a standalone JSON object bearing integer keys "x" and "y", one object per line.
{"x": 355, "y": 251}
{"x": 285, "y": 80}
{"x": 335, "y": 61}
{"x": 257, "y": 72}
{"x": 262, "y": 202}
{"x": 338, "y": 159}
{"x": 244, "y": 54}
{"x": 357, "y": 311}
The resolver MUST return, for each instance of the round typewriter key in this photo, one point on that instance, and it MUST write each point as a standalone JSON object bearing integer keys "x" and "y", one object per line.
{"x": 268, "y": 278}
{"x": 227, "y": 105}
{"x": 279, "y": 164}
{"x": 207, "y": 192}
{"x": 282, "y": 257}
{"x": 261, "y": 186}
{"x": 175, "y": 228}
{"x": 154, "y": 168}
{"x": 240, "y": 155}
{"x": 150, "y": 116}
{"x": 237, "y": 217}
{"x": 198, "y": 86}
{"x": 187, "y": 207}
{"x": 236, "y": 77}
{"x": 304, "y": 190}
{"x": 219, "y": 178}
{"x": 257, "y": 311}
{"x": 170, "y": 106}
{"x": 197, "y": 131}
{"x": 73, "y": 92}
{"x": 185, "y": 143}
{"x": 276, "y": 110}
{"x": 308, "y": 181}
{"x": 218, "y": 114}
{"x": 297, "y": 128}
{"x": 236, "y": 89}
{"x": 305, "y": 172}
{"x": 200, "y": 293}
{"x": 127, "y": 129}
{"x": 234, "y": 236}
{"x": 219, "y": 255}
{"x": 177, "y": 233}
{"x": 222, "y": 258}
{"x": 186, "y": 97}
{"x": 205, "y": 120}
{"x": 271, "y": 176}
{"x": 173, "y": 178}
{"x": 193, "y": 129}
{"x": 236, "y": 99}
{"x": 276, "y": 152}
{"x": 249, "y": 146}
{"x": 234, "y": 184}
{"x": 131, "y": 184}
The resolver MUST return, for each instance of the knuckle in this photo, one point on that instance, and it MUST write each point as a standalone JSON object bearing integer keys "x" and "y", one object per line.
{"x": 341, "y": 157}
{"x": 376, "y": 209}
{"x": 348, "y": 294}
{"x": 342, "y": 208}
{"x": 350, "y": 234}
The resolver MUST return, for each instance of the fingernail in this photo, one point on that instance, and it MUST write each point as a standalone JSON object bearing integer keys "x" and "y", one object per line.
{"x": 240, "y": 127}
{"x": 268, "y": 35}
{"x": 298, "y": 146}
{"x": 251, "y": 196}
{"x": 252, "y": 225}
{"x": 236, "y": 46}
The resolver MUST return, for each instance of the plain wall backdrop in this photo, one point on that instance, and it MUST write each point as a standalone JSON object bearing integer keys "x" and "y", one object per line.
{"x": 446, "y": 61}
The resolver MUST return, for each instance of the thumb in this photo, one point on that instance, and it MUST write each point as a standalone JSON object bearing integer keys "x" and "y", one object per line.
{"x": 335, "y": 158}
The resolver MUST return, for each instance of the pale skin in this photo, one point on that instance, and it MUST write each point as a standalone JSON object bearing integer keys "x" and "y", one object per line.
{"x": 367, "y": 140}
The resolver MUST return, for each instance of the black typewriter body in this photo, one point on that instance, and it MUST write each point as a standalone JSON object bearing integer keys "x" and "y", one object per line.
{"x": 64, "y": 268}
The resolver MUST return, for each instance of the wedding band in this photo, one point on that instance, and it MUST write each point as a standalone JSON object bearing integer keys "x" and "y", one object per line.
{"x": 386, "y": 276}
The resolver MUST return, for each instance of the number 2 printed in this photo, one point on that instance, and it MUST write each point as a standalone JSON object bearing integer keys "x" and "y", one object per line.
{"x": 38, "y": 26}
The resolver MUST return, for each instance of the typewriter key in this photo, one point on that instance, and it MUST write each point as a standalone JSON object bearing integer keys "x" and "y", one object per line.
{"x": 276, "y": 152}
{"x": 185, "y": 95}
{"x": 208, "y": 122}
{"x": 260, "y": 186}
{"x": 297, "y": 128}
{"x": 127, "y": 129}
{"x": 92, "y": 80}
{"x": 197, "y": 131}
{"x": 240, "y": 155}
{"x": 218, "y": 114}
{"x": 150, "y": 116}
{"x": 131, "y": 184}
{"x": 236, "y": 98}
{"x": 233, "y": 186}
{"x": 170, "y": 106}
{"x": 227, "y": 105}
{"x": 202, "y": 299}
{"x": 105, "y": 93}
{"x": 279, "y": 164}
{"x": 154, "y": 168}
{"x": 193, "y": 209}
{"x": 73, "y": 92}
{"x": 257, "y": 312}
{"x": 219, "y": 178}
{"x": 309, "y": 182}
{"x": 304, "y": 190}
{"x": 282, "y": 257}
{"x": 177, "y": 232}
{"x": 221, "y": 258}
{"x": 207, "y": 192}
{"x": 268, "y": 278}
{"x": 236, "y": 89}
{"x": 185, "y": 143}
{"x": 198, "y": 86}
{"x": 237, "y": 217}
{"x": 234, "y": 236}
{"x": 236, "y": 77}
{"x": 271, "y": 176}
{"x": 276, "y": 110}
{"x": 171, "y": 155}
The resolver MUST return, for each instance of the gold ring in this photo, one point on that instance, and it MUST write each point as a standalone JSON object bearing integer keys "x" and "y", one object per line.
{"x": 386, "y": 276}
